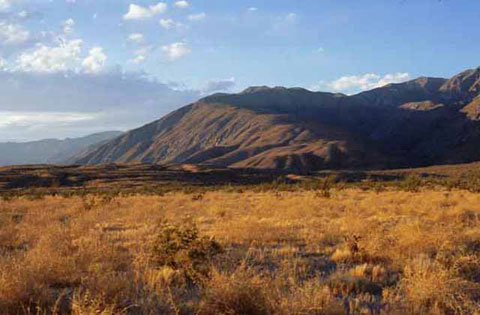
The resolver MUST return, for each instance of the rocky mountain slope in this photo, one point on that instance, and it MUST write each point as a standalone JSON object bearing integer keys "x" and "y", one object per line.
{"x": 421, "y": 122}
{"x": 50, "y": 151}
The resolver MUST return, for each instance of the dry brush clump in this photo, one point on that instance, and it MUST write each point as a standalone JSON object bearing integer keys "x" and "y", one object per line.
{"x": 404, "y": 251}
{"x": 180, "y": 247}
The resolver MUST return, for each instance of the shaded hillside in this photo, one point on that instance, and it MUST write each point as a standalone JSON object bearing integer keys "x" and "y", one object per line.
{"x": 421, "y": 122}
{"x": 50, "y": 150}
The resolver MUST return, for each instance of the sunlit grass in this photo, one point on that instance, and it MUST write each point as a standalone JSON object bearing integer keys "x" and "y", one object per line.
{"x": 286, "y": 252}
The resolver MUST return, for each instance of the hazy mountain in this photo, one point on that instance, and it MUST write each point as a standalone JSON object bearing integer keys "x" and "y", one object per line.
{"x": 420, "y": 122}
{"x": 50, "y": 151}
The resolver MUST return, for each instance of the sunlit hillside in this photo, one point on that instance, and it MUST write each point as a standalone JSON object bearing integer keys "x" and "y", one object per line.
{"x": 344, "y": 251}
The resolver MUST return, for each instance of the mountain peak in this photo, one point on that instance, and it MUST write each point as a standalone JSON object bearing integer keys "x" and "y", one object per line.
{"x": 465, "y": 84}
{"x": 429, "y": 81}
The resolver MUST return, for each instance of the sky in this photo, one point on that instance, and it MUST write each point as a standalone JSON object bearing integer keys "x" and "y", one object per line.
{"x": 73, "y": 67}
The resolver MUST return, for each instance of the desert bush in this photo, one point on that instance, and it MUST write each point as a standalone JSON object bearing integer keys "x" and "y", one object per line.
{"x": 6, "y": 197}
{"x": 312, "y": 297}
{"x": 373, "y": 185}
{"x": 84, "y": 303}
{"x": 240, "y": 293}
{"x": 92, "y": 201}
{"x": 431, "y": 288}
{"x": 198, "y": 197}
{"x": 325, "y": 187}
{"x": 181, "y": 247}
{"x": 468, "y": 267}
{"x": 345, "y": 284}
{"x": 412, "y": 183}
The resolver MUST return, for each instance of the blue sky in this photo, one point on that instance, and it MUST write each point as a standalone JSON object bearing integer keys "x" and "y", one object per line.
{"x": 178, "y": 51}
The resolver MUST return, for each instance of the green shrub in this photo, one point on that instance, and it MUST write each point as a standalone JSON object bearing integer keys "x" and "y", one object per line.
{"x": 412, "y": 183}
{"x": 182, "y": 248}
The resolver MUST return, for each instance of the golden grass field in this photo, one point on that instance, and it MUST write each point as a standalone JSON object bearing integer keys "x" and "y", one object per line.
{"x": 292, "y": 252}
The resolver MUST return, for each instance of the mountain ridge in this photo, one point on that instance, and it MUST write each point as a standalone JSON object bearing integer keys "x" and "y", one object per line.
{"x": 415, "y": 123}
{"x": 50, "y": 151}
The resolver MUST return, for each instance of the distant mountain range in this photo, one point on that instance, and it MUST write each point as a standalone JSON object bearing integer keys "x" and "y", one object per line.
{"x": 421, "y": 122}
{"x": 50, "y": 151}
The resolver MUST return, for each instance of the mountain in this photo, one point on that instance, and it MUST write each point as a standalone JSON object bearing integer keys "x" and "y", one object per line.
{"x": 420, "y": 122}
{"x": 50, "y": 151}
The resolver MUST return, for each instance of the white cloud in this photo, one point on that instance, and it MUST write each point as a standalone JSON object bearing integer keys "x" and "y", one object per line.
{"x": 23, "y": 14}
{"x": 143, "y": 50}
{"x": 176, "y": 50}
{"x": 136, "y": 37}
{"x": 364, "y": 82}
{"x": 169, "y": 24}
{"x": 141, "y": 54}
{"x": 291, "y": 17}
{"x": 95, "y": 61}
{"x": 182, "y": 4}
{"x": 219, "y": 85}
{"x": 68, "y": 26}
{"x": 50, "y": 59}
{"x": 283, "y": 25}
{"x": 137, "y": 12}
{"x": 5, "y": 5}
{"x": 13, "y": 34}
{"x": 393, "y": 78}
{"x": 8, "y": 118}
{"x": 63, "y": 56}
{"x": 197, "y": 17}
{"x": 252, "y": 9}
{"x": 138, "y": 59}
{"x": 3, "y": 64}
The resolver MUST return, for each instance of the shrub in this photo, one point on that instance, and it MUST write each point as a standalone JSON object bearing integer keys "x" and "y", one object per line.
{"x": 182, "y": 248}
{"x": 345, "y": 284}
{"x": 412, "y": 183}
{"x": 325, "y": 187}
{"x": 84, "y": 303}
{"x": 312, "y": 297}
{"x": 430, "y": 287}
{"x": 236, "y": 294}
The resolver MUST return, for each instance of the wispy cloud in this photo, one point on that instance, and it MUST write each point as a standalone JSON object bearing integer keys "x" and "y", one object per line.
{"x": 8, "y": 118}
{"x": 136, "y": 37}
{"x": 170, "y": 24}
{"x": 219, "y": 85}
{"x": 68, "y": 26}
{"x": 197, "y": 16}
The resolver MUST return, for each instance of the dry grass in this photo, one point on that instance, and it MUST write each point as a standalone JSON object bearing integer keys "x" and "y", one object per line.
{"x": 296, "y": 252}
